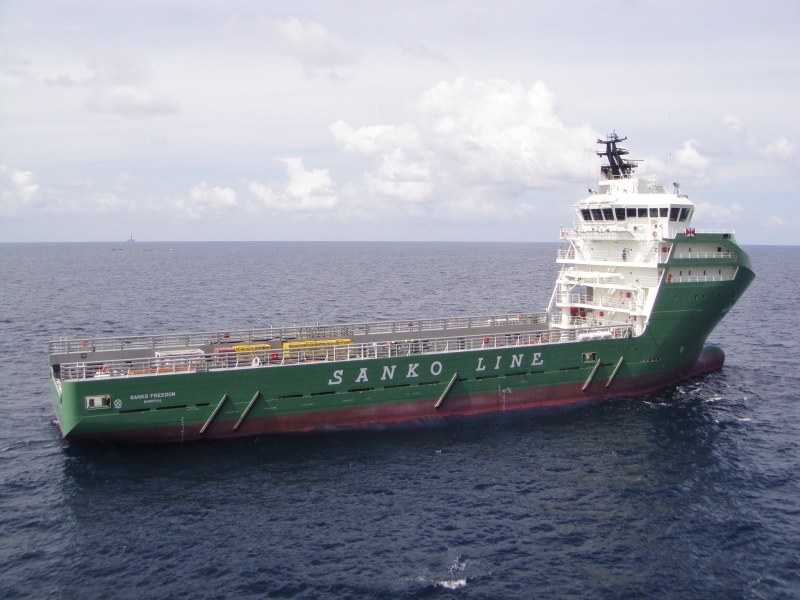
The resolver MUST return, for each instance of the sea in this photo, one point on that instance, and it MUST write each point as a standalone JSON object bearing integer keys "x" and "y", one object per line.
{"x": 690, "y": 492}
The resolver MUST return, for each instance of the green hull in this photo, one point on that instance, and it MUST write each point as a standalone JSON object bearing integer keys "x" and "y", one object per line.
{"x": 361, "y": 391}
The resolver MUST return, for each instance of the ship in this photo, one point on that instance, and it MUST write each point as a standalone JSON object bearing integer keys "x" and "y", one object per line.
{"x": 638, "y": 293}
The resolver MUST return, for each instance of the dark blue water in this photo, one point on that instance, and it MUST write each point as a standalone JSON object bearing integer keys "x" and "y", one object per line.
{"x": 689, "y": 493}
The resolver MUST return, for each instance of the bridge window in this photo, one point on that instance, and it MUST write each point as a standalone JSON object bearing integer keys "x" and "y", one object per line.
{"x": 631, "y": 212}
{"x": 596, "y": 214}
{"x": 608, "y": 214}
{"x": 642, "y": 212}
{"x": 663, "y": 212}
{"x": 586, "y": 214}
{"x": 653, "y": 212}
{"x": 685, "y": 214}
{"x": 673, "y": 213}
{"x": 620, "y": 212}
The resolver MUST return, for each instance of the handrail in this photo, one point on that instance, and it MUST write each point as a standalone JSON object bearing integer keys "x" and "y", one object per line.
{"x": 700, "y": 278}
{"x": 705, "y": 255}
{"x": 269, "y": 358}
{"x": 647, "y": 257}
{"x": 336, "y": 331}
{"x": 596, "y": 301}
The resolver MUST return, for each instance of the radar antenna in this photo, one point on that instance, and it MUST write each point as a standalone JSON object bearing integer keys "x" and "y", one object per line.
{"x": 617, "y": 168}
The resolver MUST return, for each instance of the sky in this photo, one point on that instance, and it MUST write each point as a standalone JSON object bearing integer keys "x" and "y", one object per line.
{"x": 198, "y": 120}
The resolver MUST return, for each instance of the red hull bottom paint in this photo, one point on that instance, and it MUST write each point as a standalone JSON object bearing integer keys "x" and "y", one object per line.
{"x": 710, "y": 360}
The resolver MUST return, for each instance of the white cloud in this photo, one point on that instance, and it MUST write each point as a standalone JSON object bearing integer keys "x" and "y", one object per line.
{"x": 121, "y": 87}
{"x": 373, "y": 140}
{"x": 18, "y": 190}
{"x": 469, "y": 139}
{"x": 203, "y": 201}
{"x": 417, "y": 49}
{"x": 319, "y": 51}
{"x": 781, "y": 148}
{"x": 402, "y": 176}
{"x": 690, "y": 156}
{"x": 14, "y": 69}
{"x": 734, "y": 123}
{"x": 500, "y": 132}
{"x": 132, "y": 101}
{"x": 775, "y": 221}
{"x": 692, "y": 162}
{"x": 20, "y": 194}
{"x": 25, "y": 184}
{"x": 305, "y": 191}
{"x": 718, "y": 212}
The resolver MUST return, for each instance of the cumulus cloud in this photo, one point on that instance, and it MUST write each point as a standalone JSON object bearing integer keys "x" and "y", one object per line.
{"x": 305, "y": 191}
{"x": 469, "y": 140}
{"x": 121, "y": 87}
{"x": 775, "y": 221}
{"x": 18, "y": 190}
{"x": 26, "y": 187}
{"x": 691, "y": 157}
{"x": 131, "y": 101}
{"x": 21, "y": 194}
{"x": 718, "y": 212}
{"x": 781, "y": 148}
{"x": 402, "y": 176}
{"x": 319, "y": 51}
{"x": 693, "y": 162}
{"x": 203, "y": 201}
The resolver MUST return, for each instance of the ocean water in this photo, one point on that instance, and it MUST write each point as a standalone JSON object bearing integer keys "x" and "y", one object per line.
{"x": 693, "y": 492}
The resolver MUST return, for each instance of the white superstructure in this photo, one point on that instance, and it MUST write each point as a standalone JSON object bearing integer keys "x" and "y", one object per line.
{"x": 613, "y": 258}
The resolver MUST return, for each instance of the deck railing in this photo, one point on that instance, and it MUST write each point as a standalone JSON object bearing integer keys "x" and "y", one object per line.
{"x": 597, "y": 301}
{"x": 648, "y": 256}
{"x": 310, "y": 332}
{"x": 705, "y": 255}
{"x": 700, "y": 278}
{"x": 270, "y": 358}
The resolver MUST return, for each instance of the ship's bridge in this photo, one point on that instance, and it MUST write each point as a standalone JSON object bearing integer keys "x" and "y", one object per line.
{"x": 632, "y": 208}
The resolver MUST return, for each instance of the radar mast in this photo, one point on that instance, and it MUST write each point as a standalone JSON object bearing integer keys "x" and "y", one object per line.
{"x": 617, "y": 168}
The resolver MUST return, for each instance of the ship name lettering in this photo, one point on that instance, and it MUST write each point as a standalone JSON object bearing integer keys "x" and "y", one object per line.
{"x": 412, "y": 370}
{"x": 388, "y": 372}
{"x": 362, "y": 375}
{"x": 337, "y": 377}
{"x": 537, "y": 359}
{"x": 436, "y": 367}
{"x": 481, "y": 366}
{"x": 516, "y": 360}
{"x": 497, "y": 364}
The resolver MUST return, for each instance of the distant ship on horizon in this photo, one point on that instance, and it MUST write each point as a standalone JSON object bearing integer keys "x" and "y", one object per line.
{"x": 130, "y": 239}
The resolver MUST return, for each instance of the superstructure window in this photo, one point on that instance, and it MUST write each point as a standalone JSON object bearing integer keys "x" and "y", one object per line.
{"x": 673, "y": 213}
{"x": 608, "y": 214}
{"x": 631, "y": 212}
{"x": 653, "y": 212}
{"x": 586, "y": 214}
{"x": 642, "y": 212}
{"x": 620, "y": 212}
{"x": 685, "y": 214}
{"x": 663, "y": 212}
{"x": 596, "y": 214}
